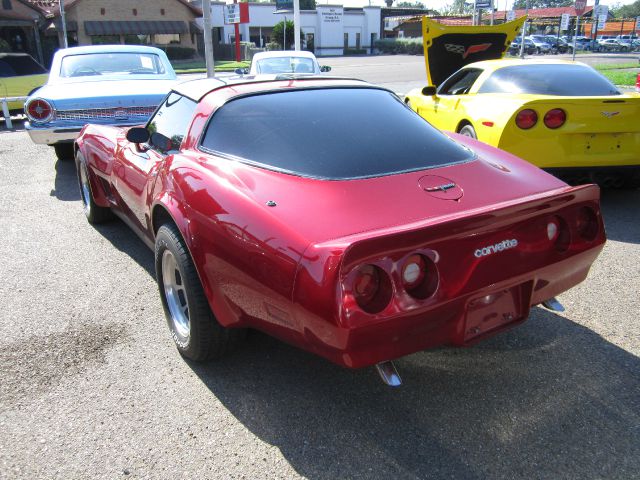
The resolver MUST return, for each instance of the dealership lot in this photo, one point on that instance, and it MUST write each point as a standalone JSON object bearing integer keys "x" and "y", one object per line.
{"x": 92, "y": 385}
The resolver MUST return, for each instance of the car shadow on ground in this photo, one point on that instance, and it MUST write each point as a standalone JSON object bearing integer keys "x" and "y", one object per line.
{"x": 549, "y": 399}
{"x": 66, "y": 186}
{"x": 621, "y": 214}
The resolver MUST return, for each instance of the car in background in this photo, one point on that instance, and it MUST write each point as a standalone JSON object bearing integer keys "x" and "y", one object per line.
{"x": 358, "y": 232}
{"x": 558, "y": 45}
{"x": 542, "y": 46}
{"x": 562, "y": 116}
{"x": 20, "y": 76}
{"x": 104, "y": 84}
{"x": 515, "y": 47}
{"x": 287, "y": 61}
{"x": 613, "y": 45}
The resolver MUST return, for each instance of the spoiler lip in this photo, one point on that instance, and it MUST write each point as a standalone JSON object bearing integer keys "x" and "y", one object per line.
{"x": 449, "y": 48}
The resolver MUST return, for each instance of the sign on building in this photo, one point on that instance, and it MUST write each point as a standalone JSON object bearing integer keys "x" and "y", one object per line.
{"x": 284, "y": 6}
{"x": 602, "y": 22}
{"x": 511, "y": 15}
{"x": 479, "y": 4}
{"x": 638, "y": 23}
{"x": 600, "y": 10}
{"x": 564, "y": 22}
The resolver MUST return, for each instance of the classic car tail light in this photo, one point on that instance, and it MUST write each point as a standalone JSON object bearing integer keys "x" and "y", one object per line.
{"x": 371, "y": 288}
{"x": 526, "y": 118}
{"x": 419, "y": 276}
{"x": 558, "y": 233}
{"x": 39, "y": 110}
{"x": 555, "y": 118}
{"x": 587, "y": 224}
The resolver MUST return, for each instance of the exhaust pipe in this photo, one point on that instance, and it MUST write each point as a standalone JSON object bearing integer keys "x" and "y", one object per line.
{"x": 389, "y": 374}
{"x": 553, "y": 304}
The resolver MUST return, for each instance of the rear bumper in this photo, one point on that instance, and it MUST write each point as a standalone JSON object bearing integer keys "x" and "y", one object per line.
{"x": 451, "y": 323}
{"x": 50, "y": 134}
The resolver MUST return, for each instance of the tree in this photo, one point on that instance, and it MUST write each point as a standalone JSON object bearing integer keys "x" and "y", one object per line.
{"x": 627, "y": 11}
{"x": 458, "y": 7}
{"x": 277, "y": 35}
{"x": 406, "y": 4}
{"x": 522, "y": 4}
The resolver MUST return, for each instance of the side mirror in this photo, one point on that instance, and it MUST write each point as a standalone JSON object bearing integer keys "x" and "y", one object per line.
{"x": 325, "y": 68}
{"x": 429, "y": 91}
{"x": 242, "y": 71}
{"x": 138, "y": 135}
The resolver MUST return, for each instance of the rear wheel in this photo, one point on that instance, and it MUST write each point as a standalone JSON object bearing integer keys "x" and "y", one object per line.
{"x": 468, "y": 131}
{"x": 64, "y": 151}
{"x": 194, "y": 328}
{"x": 94, "y": 213}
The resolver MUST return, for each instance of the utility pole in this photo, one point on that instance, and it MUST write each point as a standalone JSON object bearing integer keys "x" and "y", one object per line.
{"x": 524, "y": 28}
{"x": 65, "y": 42}
{"x": 208, "y": 39}
{"x": 296, "y": 24}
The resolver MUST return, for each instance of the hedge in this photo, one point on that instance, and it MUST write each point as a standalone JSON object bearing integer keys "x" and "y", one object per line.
{"x": 410, "y": 46}
{"x": 175, "y": 52}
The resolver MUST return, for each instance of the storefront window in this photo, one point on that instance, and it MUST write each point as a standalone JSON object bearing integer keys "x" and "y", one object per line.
{"x": 105, "y": 39}
{"x": 137, "y": 39}
{"x": 166, "y": 38}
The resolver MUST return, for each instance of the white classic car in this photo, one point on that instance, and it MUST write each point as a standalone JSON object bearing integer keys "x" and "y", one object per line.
{"x": 105, "y": 84}
{"x": 287, "y": 61}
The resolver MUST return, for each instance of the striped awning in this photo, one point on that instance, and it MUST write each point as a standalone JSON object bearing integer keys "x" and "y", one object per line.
{"x": 135, "y": 28}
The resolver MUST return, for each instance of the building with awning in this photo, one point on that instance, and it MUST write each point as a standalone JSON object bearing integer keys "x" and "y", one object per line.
{"x": 20, "y": 23}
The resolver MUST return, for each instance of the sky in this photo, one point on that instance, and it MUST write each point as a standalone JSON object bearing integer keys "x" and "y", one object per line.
{"x": 436, "y": 4}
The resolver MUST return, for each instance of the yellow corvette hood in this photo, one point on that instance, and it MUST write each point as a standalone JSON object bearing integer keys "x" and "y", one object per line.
{"x": 449, "y": 48}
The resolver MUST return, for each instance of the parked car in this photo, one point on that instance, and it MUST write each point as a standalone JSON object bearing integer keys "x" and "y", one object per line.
{"x": 106, "y": 84}
{"x": 534, "y": 107}
{"x": 638, "y": 83}
{"x": 529, "y": 47}
{"x": 20, "y": 76}
{"x": 360, "y": 232}
{"x": 542, "y": 47}
{"x": 299, "y": 62}
{"x": 612, "y": 45}
{"x": 558, "y": 45}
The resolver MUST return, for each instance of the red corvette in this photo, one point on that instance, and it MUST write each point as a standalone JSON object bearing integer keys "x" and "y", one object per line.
{"x": 328, "y": 214}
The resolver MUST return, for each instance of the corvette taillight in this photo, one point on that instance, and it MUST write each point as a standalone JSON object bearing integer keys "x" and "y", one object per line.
{"x": 419, "y": 276}
{"x": 558, "y": 233}
{"x": 526, "y": 119}
{"x": 587, "y": 224}
{"x": 555, "y": 118}
{"x": 39, "y": 110}
{"x": 371, "y": 288}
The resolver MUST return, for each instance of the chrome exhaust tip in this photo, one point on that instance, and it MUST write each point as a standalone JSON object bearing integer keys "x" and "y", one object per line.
{"x": 389, "y": 374}
{"x": 553, "y": 304}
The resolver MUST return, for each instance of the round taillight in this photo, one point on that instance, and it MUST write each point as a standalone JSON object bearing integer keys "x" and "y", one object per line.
{"x": 555, "y": 118}
{"x": 526, "y": 118}
{"x": 39, "y": 110}
{"x": 587, "y": 224}
{"x": 553, "y": 229}
{"x": 558, "y": 233}
{"x": 371, "y": 288}
{"x": 413, "y": 272}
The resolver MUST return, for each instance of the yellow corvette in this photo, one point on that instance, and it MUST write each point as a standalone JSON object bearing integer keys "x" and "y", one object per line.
{"x": 559, "y": 115}
{"x": 20, "y": 75}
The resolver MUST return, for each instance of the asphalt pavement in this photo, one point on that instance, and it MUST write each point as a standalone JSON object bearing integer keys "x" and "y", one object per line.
{"x": 92, "y": 386}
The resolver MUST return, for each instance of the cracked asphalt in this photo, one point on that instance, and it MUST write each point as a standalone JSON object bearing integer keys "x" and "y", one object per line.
{"x": 92, "y": 386}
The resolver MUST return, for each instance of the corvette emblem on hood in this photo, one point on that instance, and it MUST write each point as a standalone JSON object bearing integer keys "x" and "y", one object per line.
{"x": 459, "y": 49}
{"x": 610, "y": 114}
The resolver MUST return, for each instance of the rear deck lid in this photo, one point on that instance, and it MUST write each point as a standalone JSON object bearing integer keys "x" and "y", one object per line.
{"x": 449, "y": 48}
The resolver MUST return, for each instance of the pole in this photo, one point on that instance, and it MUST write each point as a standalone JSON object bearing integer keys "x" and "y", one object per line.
{"x": 236, "y": 29}
{"x": 296, "y": 24}
{"x": 208, "y": 40}
{"x": 65, "y": 42}
{"x": 575, "y": 36}
{"x": 36, "y": 34}
{"x": 524, "y": 28}
{"x": 284, "y": 40}
{"x": 595, "y": 12}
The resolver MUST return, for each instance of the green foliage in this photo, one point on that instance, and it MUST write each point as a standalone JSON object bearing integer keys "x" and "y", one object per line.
{"x": 277, "y": 35}
{"x": 4, "y": 46}
{"x": 354, "y": 51}
{"x": 521, "y": 4}
{"x": 411, "y": 46}
{"x": 457, "y": 7}
{"x": 307, "y": 5}
{"x": 627, "y": 11}
{"x": 406, "y": 4}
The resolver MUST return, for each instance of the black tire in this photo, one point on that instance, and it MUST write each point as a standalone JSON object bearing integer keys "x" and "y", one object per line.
{"x": 468, "y": 131}
{"x": 194, "y": 329}
{"x": 94, "y": 213}
{"x": 64, "y": 151}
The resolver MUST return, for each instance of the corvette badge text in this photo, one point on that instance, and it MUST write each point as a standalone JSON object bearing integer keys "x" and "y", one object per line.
{"x": 498, "y": 247}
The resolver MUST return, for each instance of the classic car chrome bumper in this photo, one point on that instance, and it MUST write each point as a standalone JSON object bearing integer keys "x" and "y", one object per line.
{"x": 51, "y": 135}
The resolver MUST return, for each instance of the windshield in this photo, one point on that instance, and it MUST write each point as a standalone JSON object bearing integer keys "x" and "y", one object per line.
{"x": 285, "y": 65}
{"x": 111, "y": 64}
{"x": 11, "y": 66}
{"x": 562, "y": 80}
{"x": 330, "y": 133}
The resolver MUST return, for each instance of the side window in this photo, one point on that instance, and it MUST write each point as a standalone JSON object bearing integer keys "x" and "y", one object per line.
{"x": 460, "y": 83}
{"x": 169, "y": 125}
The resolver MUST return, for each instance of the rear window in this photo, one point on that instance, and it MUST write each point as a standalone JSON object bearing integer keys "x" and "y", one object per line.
{"x": 336, "y": 133}
{"x": 20, "y": 65}
{"x": 109, "y": 63}
{"x": 562, "y": 80}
